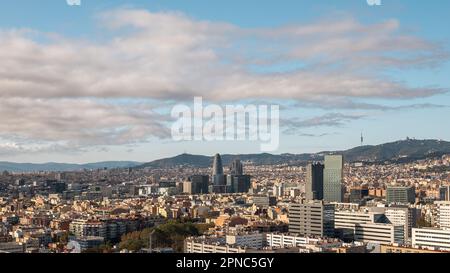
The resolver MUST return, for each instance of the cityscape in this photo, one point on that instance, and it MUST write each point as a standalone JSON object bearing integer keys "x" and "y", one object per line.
{"x": 328, "y": 205}
{"x": 172, "y": 127}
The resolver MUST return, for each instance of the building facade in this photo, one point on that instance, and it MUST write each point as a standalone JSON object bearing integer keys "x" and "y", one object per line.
{"x": 314, "y": 181}
{"x": 431, "y": 238}
{"x": 345, "y": 221}
{"x": 442, "y": 214}
{"x": 312, "y": 218}
{"x": 404, "y": 216}
{"x": 196, "y": 184}
{"x": 400, "y": 195}
{"x": 332, "y": 178}
{"x": 379, "y": 233}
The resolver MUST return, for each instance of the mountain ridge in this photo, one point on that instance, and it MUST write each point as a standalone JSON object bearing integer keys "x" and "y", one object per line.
{"x": 58, "y": 167}
{"x": 399, "y": 151}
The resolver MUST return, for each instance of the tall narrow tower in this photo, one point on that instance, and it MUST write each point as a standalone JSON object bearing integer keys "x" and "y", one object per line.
{"x": 218, "y": 178}
{"x": 333, "y": 175}
{"x": 362, "y": 139}
{"x": 217, "y": 165}
{"x": 314, "y": 181}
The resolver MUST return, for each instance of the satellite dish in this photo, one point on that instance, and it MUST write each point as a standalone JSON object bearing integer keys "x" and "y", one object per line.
{"x": 73, "y": 247}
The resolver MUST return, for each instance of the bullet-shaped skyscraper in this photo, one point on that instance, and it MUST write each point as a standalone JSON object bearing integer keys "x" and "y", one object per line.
{"x": 333, "y": 175}
{"x": 218, "y": 178}
{"x": 217, "y": 165}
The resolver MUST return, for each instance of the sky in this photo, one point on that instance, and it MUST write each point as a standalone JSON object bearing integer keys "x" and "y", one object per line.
{"x": 97, "y": 81}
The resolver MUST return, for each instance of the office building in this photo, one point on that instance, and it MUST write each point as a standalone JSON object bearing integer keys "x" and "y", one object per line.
{"x": 404, "y": 216}
{"x": 312, "y": 218}
{"x": 218, "y": 178}
{"x": 431, "y": 238}
{"x": 357, "y": 195}
{"x": 236, "y": 167}
{"x": 196, "y": 184}
{"x": 442, "y": 214}
{"x": 379, "y": 233}
{"x": 333, "y": 175}
{"x": 314, "y": 181}
{"x": 345, "y": 221}
{"x": 217, "y": 165}
{"x": 263, "y": 200}
{"x": 400, "y": 195}
{"x": 238, "y": 183}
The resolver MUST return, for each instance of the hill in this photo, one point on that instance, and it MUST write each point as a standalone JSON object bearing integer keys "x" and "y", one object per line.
{"x": 403, "y": 150}
{"x": 64, "y": 167}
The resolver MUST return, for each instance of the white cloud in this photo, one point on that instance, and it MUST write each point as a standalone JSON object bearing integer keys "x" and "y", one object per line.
{"x": 60, "y": 92}
{"x": 171, "y": 56}
{"x": 56, "y": 124}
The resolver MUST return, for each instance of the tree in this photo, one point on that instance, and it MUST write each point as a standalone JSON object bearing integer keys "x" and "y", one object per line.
{"x": 170, "y": 234}
{"x": 422, "y": 222}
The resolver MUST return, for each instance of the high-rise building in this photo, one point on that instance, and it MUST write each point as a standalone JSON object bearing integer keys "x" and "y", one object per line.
{"x": 312, "y": 218}
{"x": 217, "y": 165}
{"x": 400, "y": 195}
{"x": 219, "y": 183}
{"x": 236, "y": 167}
{"x": 196, "y": 184}
{"x": 238, "y": 183}
{"x": 314, "y": 181}
{"x": 332, "y": 178}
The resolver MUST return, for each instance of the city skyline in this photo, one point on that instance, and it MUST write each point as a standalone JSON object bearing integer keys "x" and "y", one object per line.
{"x": 96, "y": 82}
{"x": 295, "y": 127}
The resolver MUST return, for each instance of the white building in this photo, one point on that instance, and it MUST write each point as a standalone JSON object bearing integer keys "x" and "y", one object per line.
{"x": 402, "y": 216}
{"x": 380, "y": 233}
{"x": 431, "y": 238}
{"x": 288, "y": 240}
{"x": 201, "y": 245}
{"x": 284, "y": 240}
{"x": 278, "y": 190}
{"x": 253, "y": 240}
{"x": 345, "y": 221}
{"x": 443, "y": 214}
{"x": 82, "y": 228}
